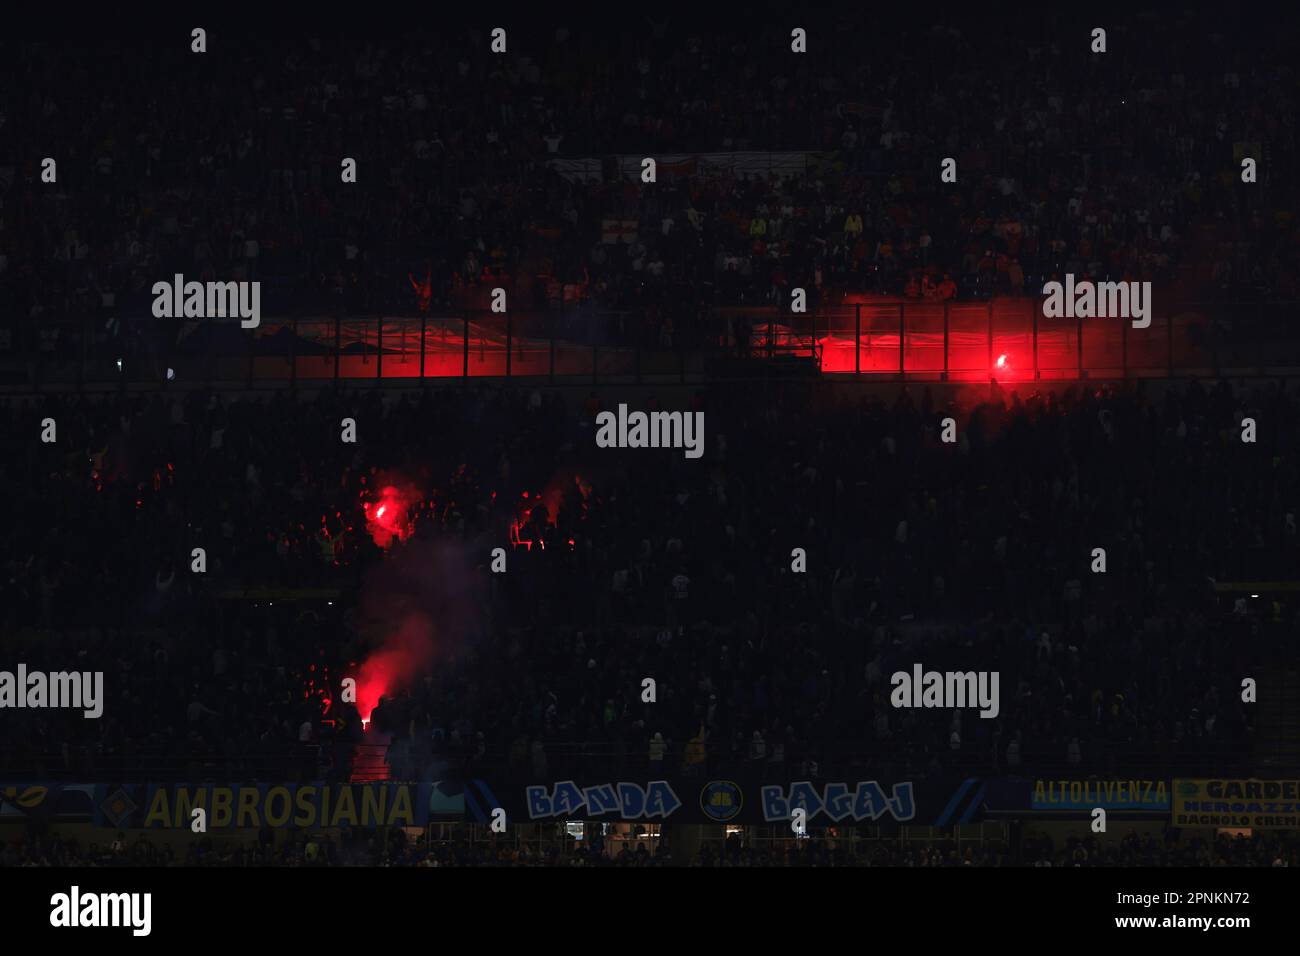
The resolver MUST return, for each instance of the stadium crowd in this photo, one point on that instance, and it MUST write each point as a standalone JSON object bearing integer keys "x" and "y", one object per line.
{"x": 1171, "y": 848}
{"x": 226, "y": 561}
{"x": 1119, "y": 165}
{"x": 625, "y": 564}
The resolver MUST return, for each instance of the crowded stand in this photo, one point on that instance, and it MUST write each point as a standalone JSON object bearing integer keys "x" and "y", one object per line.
{"x": 916, "y": 550}
{"x": 473, "y": 177}
{"x": 450, "y": 581}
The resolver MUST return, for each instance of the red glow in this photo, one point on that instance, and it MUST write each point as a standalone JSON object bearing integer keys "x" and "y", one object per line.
{"x": 372, "y": 683}
{"x": 551, "y": 498}
{"x": 948, "y": 339}
{"x": 529, "y": 504}
{"x": 391, "y": 515}
{"x": 516, "y": 540}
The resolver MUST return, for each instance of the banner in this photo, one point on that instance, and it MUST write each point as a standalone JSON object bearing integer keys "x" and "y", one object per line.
{"x": 309, "y": 805}
{"x": 318, "y": 805}
{"x": 1110, "y": 794}
{"x": 1043, "y": 795}
{"x": 47, "y": 801}
{"x": 865, "y": 802}
{"x": 715, "y": 800}
{"x": 242, "y": 806}
{"x": 1265, "y": 804}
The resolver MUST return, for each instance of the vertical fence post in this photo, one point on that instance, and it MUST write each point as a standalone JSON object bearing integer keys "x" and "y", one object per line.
{"x": 946, "y": 335}
{"x": 1123, "y": 339}
{"x": 424, "y": 328}
{"x": 464, "y": 354}
{"x": 814, "y": 326}
{"x": 1033, "y": 324}
{"x": 857, "y": 339}
{"x": 990, "y": 338}
{"x": 1078, "y": 347}
{"x": 902, "y": 336}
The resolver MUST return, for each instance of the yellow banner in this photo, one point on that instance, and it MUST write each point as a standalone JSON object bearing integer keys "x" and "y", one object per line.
{"x": 1264, "y": 804}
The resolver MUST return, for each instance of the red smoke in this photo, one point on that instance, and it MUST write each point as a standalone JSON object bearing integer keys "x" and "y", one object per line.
{"x": 414, "y": 606}
{"x": 405, "y": 656}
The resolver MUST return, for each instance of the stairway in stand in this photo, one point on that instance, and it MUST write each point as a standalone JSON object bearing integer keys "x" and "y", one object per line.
{"x": 368, "y": 763}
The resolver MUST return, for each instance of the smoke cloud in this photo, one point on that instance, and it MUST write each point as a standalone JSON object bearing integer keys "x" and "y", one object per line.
{"x": 418, "y": 605}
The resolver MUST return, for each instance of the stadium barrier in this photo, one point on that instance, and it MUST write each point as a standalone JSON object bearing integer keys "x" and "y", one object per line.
{"x": 1007, "y": 339}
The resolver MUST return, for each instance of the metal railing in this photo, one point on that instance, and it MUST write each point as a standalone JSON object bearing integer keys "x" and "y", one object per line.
{"x": 1008, "y": 339}
{"x": 597, "y": 760}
